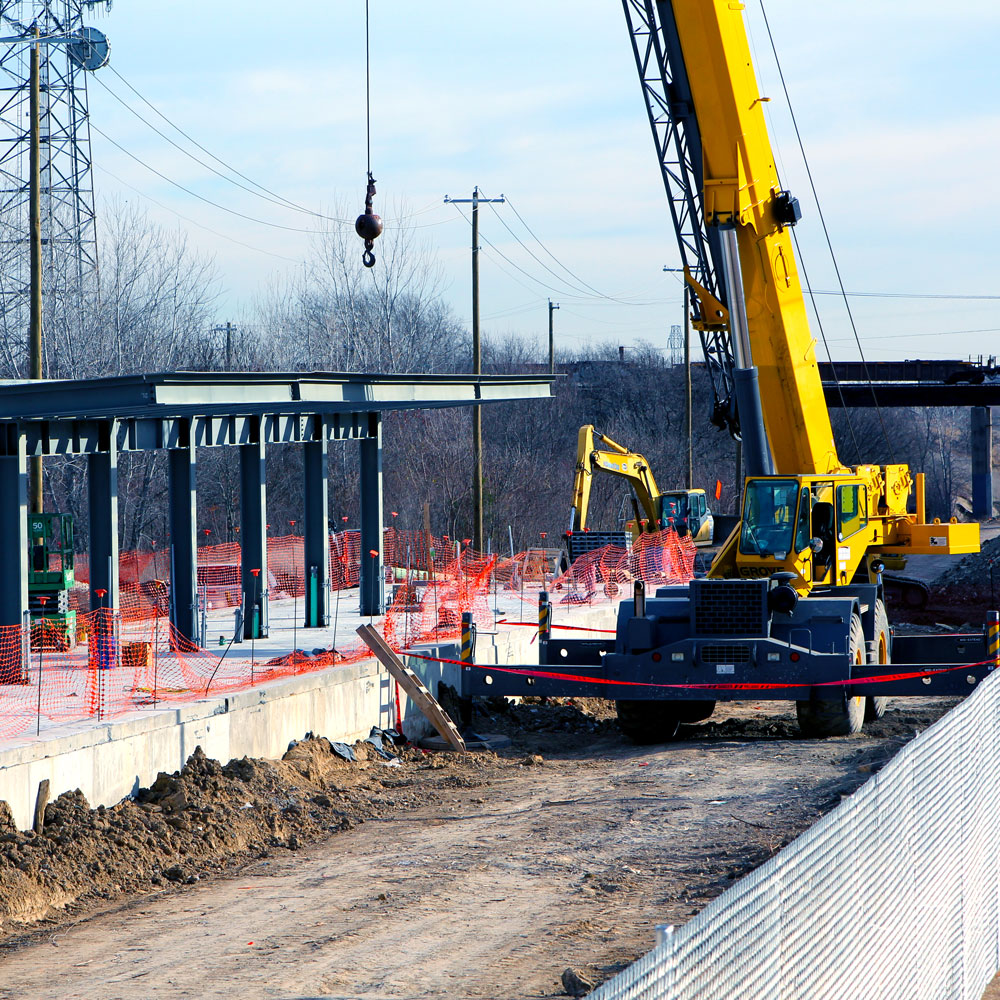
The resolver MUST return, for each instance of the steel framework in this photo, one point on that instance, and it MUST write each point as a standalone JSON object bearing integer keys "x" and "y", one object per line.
{"x": 667, "y": 92}
{"x": 69, "y": 236}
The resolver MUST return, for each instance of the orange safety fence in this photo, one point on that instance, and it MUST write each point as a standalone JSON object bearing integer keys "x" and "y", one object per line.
{"x": 122, "y": 661}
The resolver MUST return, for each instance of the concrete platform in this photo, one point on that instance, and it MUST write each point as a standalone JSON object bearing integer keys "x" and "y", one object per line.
{"x": 110, "y": 760}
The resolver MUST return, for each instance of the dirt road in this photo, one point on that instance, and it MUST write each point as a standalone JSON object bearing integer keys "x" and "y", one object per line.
{"x": 499, "y": 876}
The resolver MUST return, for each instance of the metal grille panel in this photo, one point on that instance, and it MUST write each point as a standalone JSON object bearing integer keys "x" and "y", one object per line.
{"x": 896, "y": 893}
{"x": 729, "y": 607}
{"x": 725, "y": 654}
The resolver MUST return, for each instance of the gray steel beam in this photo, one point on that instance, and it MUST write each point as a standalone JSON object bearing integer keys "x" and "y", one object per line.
{"x": 372, "y": 584}
{"x": 217, "y": 394}
{"x": 317, "y": 544}
{"x": 253, "y": 539}
{"x": 862, "y": 394}
{"x": 13, "y": 540}
{"x": 102, "y": 469}
{"x": 183, "y": 541}
{"x": 982, "y": 462}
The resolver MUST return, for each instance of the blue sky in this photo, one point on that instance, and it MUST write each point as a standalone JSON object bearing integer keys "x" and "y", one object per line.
{"x": 541, "y": 102}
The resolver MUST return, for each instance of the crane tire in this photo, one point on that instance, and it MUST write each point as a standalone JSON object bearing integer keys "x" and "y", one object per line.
{"x": 876, "y": 706}
{"x": 646, "y": 722}
{"x": 692, "y": 711}
{"x": 841, "y": 716}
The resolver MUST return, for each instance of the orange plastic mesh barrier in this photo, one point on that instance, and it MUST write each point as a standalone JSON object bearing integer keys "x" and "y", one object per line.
{"x": 658, "y": 559}
{"x": 131, "y": 659}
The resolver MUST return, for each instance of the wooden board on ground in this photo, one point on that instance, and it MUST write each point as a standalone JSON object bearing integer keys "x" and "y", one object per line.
{"x": 413, "y": 686}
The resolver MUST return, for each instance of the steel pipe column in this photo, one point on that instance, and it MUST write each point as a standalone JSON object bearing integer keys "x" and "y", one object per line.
{"x": 982, "y": 462}
{"x": 253, "y": 538}
{"x": 14, "y": 535}
{"x": 372, "y": 585}
{"x": 183, "y": 541}
{"x": 102, "y": 470}
{"x": 317, "y": 544}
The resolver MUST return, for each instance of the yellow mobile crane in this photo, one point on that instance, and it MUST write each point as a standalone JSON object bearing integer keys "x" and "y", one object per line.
{"x": 781, "y": 611}
{"x": 684, "y": 511}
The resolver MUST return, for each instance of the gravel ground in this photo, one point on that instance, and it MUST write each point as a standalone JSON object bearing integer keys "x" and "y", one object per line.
{"x": 432, "y": 875}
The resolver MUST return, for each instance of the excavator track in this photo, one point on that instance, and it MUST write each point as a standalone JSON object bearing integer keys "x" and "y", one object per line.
{"x": 905, "y": 591}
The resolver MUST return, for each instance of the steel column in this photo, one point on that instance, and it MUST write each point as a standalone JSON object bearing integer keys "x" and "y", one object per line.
{"x": 14, "y": 535}
{"x": 102, "y": 469}
{"x": 316, "y": 544}
{"x": 982, "y": 462}
{"x": 372, "y": 586}
{"x": 183, "y": 541}
{"x": 253, "y": 537}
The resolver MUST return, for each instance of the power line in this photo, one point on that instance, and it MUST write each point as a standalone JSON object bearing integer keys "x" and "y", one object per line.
{"x": 538, "y": 281}
{"x": 276, "y": 200}
{"x": 207, "y": 229}
{"x": 906, "y": 295}
{"x": 219, "y": 160}
{"x": 529, "y": 252}
{"x": 194, "y": 194}
{"x": 596, "y": 291}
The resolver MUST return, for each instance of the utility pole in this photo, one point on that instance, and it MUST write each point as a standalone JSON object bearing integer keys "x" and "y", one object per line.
{"x": 35, "y": 227}
{"x": 552, "y": 344}
{"x": 477, "y": 367}
{"x": 229, "y": 342}
{"x": 689, "y": 476}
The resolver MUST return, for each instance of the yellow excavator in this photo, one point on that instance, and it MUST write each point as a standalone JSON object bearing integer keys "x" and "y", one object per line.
{"x": 793, "y": 606}
{"x": 684, "y": 511}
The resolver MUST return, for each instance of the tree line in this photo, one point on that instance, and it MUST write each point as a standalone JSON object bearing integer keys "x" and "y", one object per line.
{"x": 154, "y": 307}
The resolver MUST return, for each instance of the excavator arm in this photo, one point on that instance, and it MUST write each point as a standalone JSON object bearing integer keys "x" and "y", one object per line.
{"x": 618, "y": 461}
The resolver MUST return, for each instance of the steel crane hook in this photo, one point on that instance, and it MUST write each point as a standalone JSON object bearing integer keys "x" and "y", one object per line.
{"x": 368, "y": 225}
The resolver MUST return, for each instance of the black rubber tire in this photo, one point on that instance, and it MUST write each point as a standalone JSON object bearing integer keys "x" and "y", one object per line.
{"x": 688, "y": 712}
{"x": 876, "y": 706}
{"x": 819, "y": 718}
{"x": 646, "y": 722}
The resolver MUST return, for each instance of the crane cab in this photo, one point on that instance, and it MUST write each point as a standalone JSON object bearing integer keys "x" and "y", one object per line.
{"x": 812, "y": 527}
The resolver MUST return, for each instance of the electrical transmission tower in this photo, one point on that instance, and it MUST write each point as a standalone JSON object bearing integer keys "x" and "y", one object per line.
{"x": 66, "y": 187}
{"x": 675, "y": 345}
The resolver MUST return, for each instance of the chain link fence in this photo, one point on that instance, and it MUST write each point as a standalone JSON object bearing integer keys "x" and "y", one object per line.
{"x": 892, "y": 896}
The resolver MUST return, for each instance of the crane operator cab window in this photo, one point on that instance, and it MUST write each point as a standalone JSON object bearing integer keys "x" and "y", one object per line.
{"x": 803, "y": 526}
{"x": 852, "y": 510}
{"x": 769, "y": 517}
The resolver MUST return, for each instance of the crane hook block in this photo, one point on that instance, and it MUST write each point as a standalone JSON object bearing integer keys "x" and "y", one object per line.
{"x": 368, "y": 225}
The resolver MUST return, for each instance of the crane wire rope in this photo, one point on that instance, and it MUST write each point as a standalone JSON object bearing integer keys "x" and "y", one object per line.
{"x": 368, "y": 93}
{"x": 826, "y": 231}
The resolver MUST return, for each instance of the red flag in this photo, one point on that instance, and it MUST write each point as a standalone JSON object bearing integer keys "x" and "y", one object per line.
{"x": 718, "y": 489}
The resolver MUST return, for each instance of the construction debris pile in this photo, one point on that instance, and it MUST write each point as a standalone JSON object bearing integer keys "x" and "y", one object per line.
{"x": 973, "y": 574}
{"x": 208, "y": 818}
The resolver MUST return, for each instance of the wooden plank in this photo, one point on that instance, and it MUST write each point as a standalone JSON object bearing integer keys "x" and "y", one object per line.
{"x": 413, "y": 686}
{"x": 41, "y": 801}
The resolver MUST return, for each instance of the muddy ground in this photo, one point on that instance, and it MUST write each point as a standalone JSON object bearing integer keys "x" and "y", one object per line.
{"x": 434, "y": 875}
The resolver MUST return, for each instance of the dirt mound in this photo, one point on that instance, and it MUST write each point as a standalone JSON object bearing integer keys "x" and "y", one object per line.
{"x": 970, "y": 577}
{"x": 204, "y": 819}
